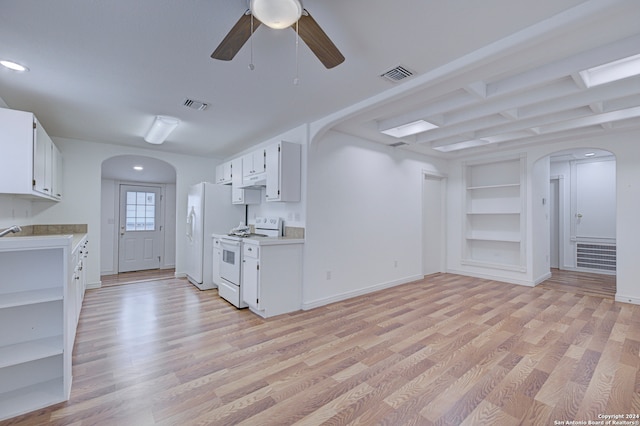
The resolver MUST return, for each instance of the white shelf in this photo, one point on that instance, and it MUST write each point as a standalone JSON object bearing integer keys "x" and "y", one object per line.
{"x": 487, "y": 236}
{"x": 493, "y": 213}
{"x": 31, "y": 297}
{"x": 31, "y": 398}
{"x": 494, "y": 206}
{"x": 30, "y": 351}
{"x": 506, "y": 185}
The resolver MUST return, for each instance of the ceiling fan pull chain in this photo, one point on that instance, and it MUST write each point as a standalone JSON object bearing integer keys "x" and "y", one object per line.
{"x": 296, "y": 80}
{"x": 251, "y": 66}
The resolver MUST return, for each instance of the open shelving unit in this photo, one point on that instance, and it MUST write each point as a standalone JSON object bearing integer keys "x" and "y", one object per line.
{"x": 35, "y": 367}
{"x": 494, "y": 226}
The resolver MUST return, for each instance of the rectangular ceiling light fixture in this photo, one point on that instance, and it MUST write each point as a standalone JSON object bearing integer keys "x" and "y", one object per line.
{"x": 412, "y": 128}
{"x": 160, "y": 129}
{"x": 461, "y": 145}
{"x": 613, "y": 71}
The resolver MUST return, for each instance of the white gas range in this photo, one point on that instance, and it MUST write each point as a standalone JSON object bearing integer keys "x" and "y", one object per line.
{"x": 230, "y": 287}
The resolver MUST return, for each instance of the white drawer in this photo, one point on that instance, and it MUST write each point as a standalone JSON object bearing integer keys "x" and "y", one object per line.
{"x": 251, "y": 250}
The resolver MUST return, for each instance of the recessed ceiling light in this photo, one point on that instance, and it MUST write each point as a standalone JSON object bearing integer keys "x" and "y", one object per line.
{"x": 138, "y": 168}
{"x": 412, "y": 128}
{"x": 590, "y": 154}
{"x": 14, "y": 66}
{"x": 613, "y": 71}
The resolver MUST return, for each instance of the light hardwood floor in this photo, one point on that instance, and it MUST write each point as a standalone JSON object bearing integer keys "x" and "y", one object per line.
{"x": 448, "y": 350}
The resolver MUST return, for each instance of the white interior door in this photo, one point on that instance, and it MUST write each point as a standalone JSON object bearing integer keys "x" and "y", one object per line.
{"x": 596, "y": 200}
{"x": 433, "y": 247}
{"x": 140, "y": 228}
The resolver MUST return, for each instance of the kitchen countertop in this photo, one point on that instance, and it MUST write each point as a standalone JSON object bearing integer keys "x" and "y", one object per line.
{"x": 28, "y": 240}
{"x": 266, "y": 241}
{"x": 263, "y": 241}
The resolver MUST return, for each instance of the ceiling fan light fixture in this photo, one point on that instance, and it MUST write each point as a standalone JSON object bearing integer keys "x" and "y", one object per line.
{"x": 277, "y": 14}
{"x": 161, "y": 129}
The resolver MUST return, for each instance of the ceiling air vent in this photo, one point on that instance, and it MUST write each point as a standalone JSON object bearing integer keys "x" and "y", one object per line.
{"x": 396, "y": 74}
{"x": 396, "y": 144}
{"x": 193, "y": 104}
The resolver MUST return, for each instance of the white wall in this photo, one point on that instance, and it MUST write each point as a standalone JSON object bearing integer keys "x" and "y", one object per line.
{"x": 539, "y": 225}
{"x": 82, "y": 186}
{"x": 364, "y": 213}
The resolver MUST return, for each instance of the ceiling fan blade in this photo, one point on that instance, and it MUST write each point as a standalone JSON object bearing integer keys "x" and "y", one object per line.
{"x": 236, "y": 38}
{"x": 318, "y": 41}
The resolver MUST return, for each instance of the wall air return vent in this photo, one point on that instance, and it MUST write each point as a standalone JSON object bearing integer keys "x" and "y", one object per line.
{"x": 193, "y": 104}
{"x": 397, "y": 74}
{"x": 601, "y": 257}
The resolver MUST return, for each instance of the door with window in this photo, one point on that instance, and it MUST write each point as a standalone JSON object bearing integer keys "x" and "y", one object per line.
{"x": 140, "y": 239}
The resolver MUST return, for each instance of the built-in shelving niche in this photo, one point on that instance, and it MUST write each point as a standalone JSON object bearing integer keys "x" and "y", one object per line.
{"x": 494, "y": 206}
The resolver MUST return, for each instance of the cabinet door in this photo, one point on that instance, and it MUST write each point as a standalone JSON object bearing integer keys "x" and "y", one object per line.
{"x": 42, "y": 161}
{"x": 251, "y": 282}
{"x": 217, "y": 255}
{"x": 57, "y": 173}
{"x": 273, "y": 172}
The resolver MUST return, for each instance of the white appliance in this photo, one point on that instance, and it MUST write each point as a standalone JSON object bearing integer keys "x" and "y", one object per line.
{"x": 231, "y": 260}
{"x": 209, "y": 211}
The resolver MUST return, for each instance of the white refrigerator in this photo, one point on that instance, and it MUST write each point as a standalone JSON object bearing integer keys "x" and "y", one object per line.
{"x": 209, "y": 211}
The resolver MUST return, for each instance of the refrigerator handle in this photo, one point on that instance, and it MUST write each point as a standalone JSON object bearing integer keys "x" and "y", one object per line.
{"x": 190, "y": 220}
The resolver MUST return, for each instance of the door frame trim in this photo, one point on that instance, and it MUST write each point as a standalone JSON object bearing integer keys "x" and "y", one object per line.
{"x": 431, "y": 175}
{"x": 118, "y": 209}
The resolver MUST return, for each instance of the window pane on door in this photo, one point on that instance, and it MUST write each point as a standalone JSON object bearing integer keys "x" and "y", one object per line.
{"x": 141, "y": 211}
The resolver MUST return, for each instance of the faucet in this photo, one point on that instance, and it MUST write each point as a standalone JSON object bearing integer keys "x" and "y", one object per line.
{"x": 14, "y": 229}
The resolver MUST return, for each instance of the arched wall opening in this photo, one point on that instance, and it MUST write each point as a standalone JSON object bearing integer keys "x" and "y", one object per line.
{"x": 145, "y": 174}
{"x": 574, "y": 212}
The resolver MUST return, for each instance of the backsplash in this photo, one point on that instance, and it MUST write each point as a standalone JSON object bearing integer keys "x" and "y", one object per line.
{"x": 52, "y": 230}
{"x": 293, "y": 232}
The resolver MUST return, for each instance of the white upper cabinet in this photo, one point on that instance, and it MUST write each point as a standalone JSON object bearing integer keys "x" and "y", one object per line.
{"x": 224, "y": 173}
{"x": 240, "y": 195}
{"x": 283, "y": 172}
{"x": 253, "y": 163}
{"x": 35, "y": 162}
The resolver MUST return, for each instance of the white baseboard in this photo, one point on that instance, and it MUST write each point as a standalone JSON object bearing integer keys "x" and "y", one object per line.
{"x": 359, "y": 292}
{"x": 492, "y": 277}
{"x": 627, "y": 299}
{"x": 93, "y": 286}
{"x": 542, "y": 279}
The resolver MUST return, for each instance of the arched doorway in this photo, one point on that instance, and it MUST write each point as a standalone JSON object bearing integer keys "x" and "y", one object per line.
{"x": 138, "y": 206}
{"x": 581, "y": 216}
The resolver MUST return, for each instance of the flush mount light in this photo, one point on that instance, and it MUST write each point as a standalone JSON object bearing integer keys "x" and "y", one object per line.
{"x": 461, "y": 145}
{"x": 276, "y": 14}
{"x": 412, "y": 128}
{"x": 14, "y": 66}
{"x": 160, "y": 129}
{"x": 138, "y": 168}
{"x": 613, "y": 71}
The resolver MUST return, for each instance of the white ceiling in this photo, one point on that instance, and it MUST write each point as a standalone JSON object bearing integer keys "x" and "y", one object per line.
{"x": 502, "y": 70}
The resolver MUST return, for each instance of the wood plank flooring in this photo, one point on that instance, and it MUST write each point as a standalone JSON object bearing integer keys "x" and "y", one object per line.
{"x": 582, "y": 283}
{"x": 137, "y": 276}
{"x": 447, "y": 350}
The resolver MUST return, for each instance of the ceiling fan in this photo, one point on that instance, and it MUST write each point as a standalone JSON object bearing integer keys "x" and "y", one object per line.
{"x": 279, "y": 14}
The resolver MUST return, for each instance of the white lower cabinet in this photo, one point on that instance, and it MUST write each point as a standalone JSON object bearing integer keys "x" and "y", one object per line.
{"x": 272, "y": 275}
{"x": 215, "y": 264}
{"x": 38, "y": 316}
